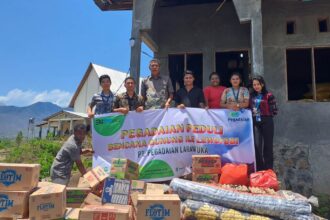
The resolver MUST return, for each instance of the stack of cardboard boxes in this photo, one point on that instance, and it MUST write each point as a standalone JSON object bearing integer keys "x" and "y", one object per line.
{"x": 22, "y": 196}
{"x": 206, "y": 168}
{"x": 16, "y": 183}
{"x": 123, "y": 196}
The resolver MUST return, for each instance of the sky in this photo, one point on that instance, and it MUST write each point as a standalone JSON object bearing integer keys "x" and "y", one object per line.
{"x": 46, "y": 47}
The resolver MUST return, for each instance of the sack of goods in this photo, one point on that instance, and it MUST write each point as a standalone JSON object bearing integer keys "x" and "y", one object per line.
{"x": 234, "y": 174}
{"x": 264, "y": 179}
{"x": 265, "y": 205}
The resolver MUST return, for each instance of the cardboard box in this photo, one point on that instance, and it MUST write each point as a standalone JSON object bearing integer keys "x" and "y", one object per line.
{"x": 206, "y": 164}
{"x": 18, "y": 177}
{"x": 75, "y": 196}
{"x": 83, "y": 183}
{"x": 116, "y": 191}
{"x": 154, "y": 189}
{"x": 165, "y": 207}
{"x": 95, "y": 176}
{"x": 205, "y": 178}
{"x": 124, "y": 169}
{"x": 43, "y": 184}
{"x": 14, "y": 204}
{"x": 92, "y": 199}
{"x": 138, "y": 186}
{"x": 106, "y": 212}
{"x": 72, "y": 214}
{"x": 48, "y": 202}
{"x": 134, "y": 198}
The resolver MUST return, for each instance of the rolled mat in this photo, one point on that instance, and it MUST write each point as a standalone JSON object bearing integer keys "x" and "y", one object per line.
{"x": 267, "y": 205}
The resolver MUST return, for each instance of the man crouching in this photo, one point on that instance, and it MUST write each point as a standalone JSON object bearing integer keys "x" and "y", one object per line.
{"x": 69, "y": 153}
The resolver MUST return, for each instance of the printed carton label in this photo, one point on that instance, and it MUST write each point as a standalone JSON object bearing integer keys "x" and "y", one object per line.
{"x": 5, "y": 202}
{"x": 157, "y": 212}
{"x": 9, "y": 177}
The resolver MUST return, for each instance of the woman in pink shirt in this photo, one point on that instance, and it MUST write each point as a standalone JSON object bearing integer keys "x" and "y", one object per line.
{"x": 213, "y": 92}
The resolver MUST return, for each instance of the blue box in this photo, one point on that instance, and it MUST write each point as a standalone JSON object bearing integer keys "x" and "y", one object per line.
{"x": 116, "y": 191}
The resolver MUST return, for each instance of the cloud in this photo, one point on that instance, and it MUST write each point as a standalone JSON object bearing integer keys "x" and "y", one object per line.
{"x": 18, "y": 97}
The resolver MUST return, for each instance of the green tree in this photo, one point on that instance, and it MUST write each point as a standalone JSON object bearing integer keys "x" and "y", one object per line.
{"x": 19, "y": 138}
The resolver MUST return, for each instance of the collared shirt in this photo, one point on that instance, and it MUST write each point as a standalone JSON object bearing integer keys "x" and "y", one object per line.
{"x": 193, "y": 98}
{"x": 132, "y": 103}
{"x": 103, "y": 104}
{"x": 267, "y": 106}
{"x": 63, "y": 162}
{"x": 156, "y": 91}
{"x": 230, "y": 95}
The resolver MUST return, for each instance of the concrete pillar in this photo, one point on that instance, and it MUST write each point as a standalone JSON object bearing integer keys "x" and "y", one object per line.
{"x": 257, "y": 46}
{"x": 208, "y": 65}
{"x": 59, "y": 128}
{"x": 141, "y": 21}
{"x": 135, "y": 48}
{"x": 48, "y": 127}
{"x": 40, "y": 132}
{"x": 250, "y": 11}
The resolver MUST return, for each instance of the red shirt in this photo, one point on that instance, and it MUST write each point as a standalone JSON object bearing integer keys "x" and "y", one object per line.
{"x": 213, "y": 95}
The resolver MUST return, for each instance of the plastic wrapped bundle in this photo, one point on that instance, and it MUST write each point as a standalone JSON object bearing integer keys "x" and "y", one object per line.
{"x": 260, "y": 204}
{"x": 194, "y": 210}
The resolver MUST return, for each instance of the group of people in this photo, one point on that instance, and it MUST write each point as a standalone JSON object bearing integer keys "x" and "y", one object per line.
{"x": 157, "y": 93}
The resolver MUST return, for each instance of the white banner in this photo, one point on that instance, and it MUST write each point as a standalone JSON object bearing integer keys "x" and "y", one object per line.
{"x": 163, "y": 141}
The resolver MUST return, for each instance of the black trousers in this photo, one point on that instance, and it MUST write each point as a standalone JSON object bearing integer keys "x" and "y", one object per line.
{"x": 263, "y": 137}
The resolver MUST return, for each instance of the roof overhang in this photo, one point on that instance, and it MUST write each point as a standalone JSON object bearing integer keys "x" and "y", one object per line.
{"x": 113, "y": 5}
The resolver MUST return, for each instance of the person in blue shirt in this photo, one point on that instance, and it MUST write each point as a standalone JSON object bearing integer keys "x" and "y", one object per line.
{"x": 103, "y": 102}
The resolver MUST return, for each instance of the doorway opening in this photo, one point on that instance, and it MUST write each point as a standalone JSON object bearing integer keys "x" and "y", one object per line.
{"x": 230, "y": 62}
{"x": 178, "y": 63}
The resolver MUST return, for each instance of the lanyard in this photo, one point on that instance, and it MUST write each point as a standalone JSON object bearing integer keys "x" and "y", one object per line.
{"x": 258, "y": 101}
{"x": 236, "y": 96}
{"x": 105, "y": 99}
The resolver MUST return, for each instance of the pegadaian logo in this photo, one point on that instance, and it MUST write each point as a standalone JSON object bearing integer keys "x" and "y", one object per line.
{"x": 235, "y": 117}
{"x": 109, "y": 125}
{"x": 9, "y": 177}
{"x": 157, "y": 212}
{"x": 45, "y": 206}
{"x": 5, "y": 202}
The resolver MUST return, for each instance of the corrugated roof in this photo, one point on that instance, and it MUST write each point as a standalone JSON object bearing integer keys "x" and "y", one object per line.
{"x": 117, "y": 79}
{"x": 78, "y": 114}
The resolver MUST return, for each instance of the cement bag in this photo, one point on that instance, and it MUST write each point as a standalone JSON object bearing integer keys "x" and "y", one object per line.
{"x": 273, "y": 206}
